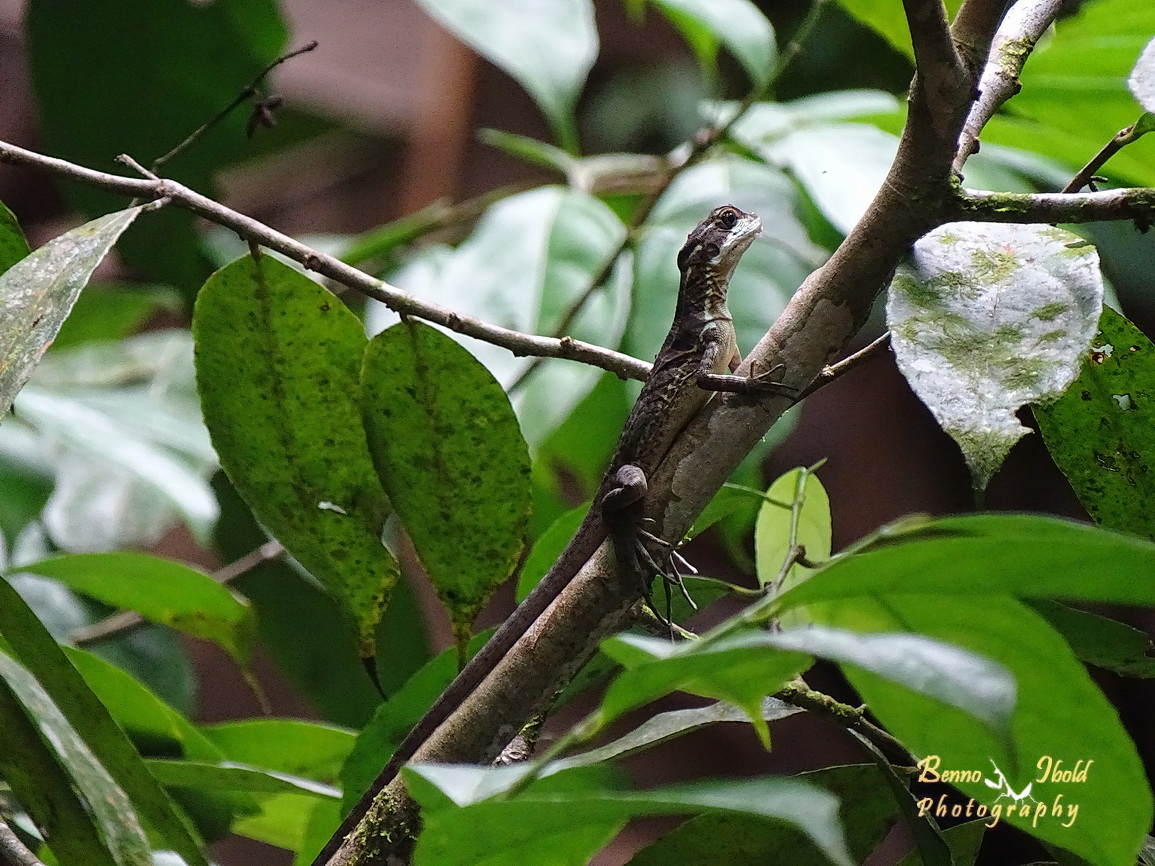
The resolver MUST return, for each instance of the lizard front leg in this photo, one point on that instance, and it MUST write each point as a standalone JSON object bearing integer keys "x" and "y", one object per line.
{"x": 750, "y": 385}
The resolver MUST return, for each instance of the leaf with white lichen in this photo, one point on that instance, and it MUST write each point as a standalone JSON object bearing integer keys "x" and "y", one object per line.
{"x": 1142, "y": 80}
{"x": 987, "y": 318}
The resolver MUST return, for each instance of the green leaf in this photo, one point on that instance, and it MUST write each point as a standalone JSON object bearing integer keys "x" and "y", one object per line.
{"x": 963, "y": 841}
{"x": 1103, "y": 642}
{"x": 278, "y": 361}
{"x": 151, "y": 723}
{"x": 35, "y": 649}
{"x": 737, "y": 24}
{"x": 99, "y": 826}
{"x": 991, "y": 554}
{"x": 796, "y": 511}
{"x": 987, "y": 318}
{"x": 563, "y": 827}
{"x": 952, "y": 580}
{"x": 13, "y": 246}
{"x": 1101, "y": 431}
{"x": 448, "y": 449}
{"x": 548, "y": 48}
{"x": 529, "y": 262}
{"x": 207, "y": 776}
{"x": 666, "y": 726}
{"x": 530, "y": 150}
{"x": 162, "y": 591}
{"x": 865, "y": 810}
{"x": 284, "y": 745}
{"x": 888, "y": 20}
{"x": 131, "y": 455}
{"x": 146, "y": 101}
{"x": 37, "y": 293}
{"x": 547, "y": 549}
{"x": 1075, "y": 97}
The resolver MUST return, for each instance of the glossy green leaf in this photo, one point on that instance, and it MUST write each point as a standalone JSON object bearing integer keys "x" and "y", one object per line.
{"x": 568, "y": 827}
{"x": 394, "y": 719}
{"x": 1113, "y": 803}
{"x": 35, "y": 649}
{"x": 666, "y": 726}
{"x": 162, "y": 591}
{"x": 992, "y": 554}
{"x": 278, "y": 361}
{"x": 547, "y": 549}
{"x": 285, "y": 745}
{"x": 146, "y": 101}
{"x": 865, "y": 809}
{"x": 1075, "y": 97}
{"x": 99, "y": 826}
{"x": 548, "y": 48}
{"x": 737, "y": 24}
{"x": 37, "y": 293}
{"x": 888, "y": 20}
{"x": 796, "y": 511}
{"x": 131, "y": 455}
{"x": 963, "y": 841}
{"x": 13, "y": 246}
{"x": 206, "y": 776}
{"x": 986, "y": 318}
{"x": 1100, "y": 641}
{"x": 529, "y": 262}
{"x": 449, "y": 451}
{"x": 153, "y": 725}
{"x": 1101, "y": 431}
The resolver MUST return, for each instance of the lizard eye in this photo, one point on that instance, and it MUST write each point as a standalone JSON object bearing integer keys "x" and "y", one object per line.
{"x": 727, "y": 218}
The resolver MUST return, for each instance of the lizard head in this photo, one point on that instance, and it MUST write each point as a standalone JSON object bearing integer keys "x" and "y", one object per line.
{"x": 718, "y": 241}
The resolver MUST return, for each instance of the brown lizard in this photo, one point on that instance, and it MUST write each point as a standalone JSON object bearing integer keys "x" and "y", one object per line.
{"x": 696, "y": 359}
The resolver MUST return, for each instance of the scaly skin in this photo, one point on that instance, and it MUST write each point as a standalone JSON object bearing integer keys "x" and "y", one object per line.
{"x": 692, "y": 363}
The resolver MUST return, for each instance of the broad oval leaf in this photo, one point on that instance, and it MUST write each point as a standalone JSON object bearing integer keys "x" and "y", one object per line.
{"x": 278, "y": 367}
{"x": 548, "y": 47}
{"x": 1101, "y": 431}
{"x": 43, "y": 776}
{"x": 570, "y": 825}
{"x": 37, "y": 293}
{"x": 162, "y": 591}
{"x": 448, "y": 449}
{"x": 13, "y": 246}
{"x": 795, "y": 511}
{"x": 530, "y": 260}
{"x": 737, "y": 24}
{"x": 989, "y": 317}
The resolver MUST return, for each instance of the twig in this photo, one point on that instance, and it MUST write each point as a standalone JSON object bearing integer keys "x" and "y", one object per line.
{"x": 253, "y": 230}
{"x": 800, "y": 695}
{"x": 850, "y": 362}
{"x": 13, "y": 852}
{"x": 1128, "y": 203}
{"x": 127, "y": 620}
{"x": 1124, "y": 137}
{"x": 248, "y": 92}
{"x": 1012, "y": 45}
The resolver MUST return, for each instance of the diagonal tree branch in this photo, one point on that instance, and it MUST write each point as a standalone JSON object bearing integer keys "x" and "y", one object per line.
{"x": 1130, "y": 203}
{"x": 152, "y": 189}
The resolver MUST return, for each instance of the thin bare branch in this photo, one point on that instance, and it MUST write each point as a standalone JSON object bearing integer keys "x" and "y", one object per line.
{"x": 1124, "y": 137}
{"x": 833, "y": 371}
{"x": 252, "y": 230}
{"x": 1026, "y": 21}
{"x": 942, "y": 80}
{"x": 251, "y": 90}
{"x": 1130, "y": 203}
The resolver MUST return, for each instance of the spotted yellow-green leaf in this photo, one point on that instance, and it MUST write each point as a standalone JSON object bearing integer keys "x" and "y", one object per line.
{"x": 448, "y": 449}
{"x": 277, "y": 362}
